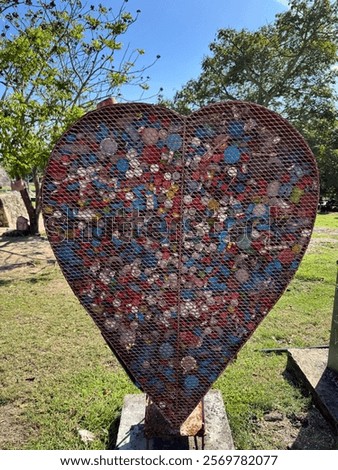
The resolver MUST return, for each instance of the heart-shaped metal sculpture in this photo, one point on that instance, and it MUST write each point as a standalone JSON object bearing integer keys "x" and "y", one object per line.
{"x": 179, "y": 234}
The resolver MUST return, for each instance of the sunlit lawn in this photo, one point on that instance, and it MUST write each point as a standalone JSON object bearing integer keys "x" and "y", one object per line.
{"x": 58, "y": 376}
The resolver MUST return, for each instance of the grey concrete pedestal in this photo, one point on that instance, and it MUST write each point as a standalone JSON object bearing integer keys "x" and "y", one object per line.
{"x": 217, "y": 434}
{"x": 310, "y": 367}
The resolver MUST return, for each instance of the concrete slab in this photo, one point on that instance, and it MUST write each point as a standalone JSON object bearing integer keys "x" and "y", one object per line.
{"x": 131, "y": 429}
{"x": 332, "y": 361}
{"x": 310, "y": 367}
{"x": 217, "y": 429}
{"x": 217, "y": 433}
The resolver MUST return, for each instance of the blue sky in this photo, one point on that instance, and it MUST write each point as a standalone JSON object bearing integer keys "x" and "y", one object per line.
{"x": 181, "y": 31}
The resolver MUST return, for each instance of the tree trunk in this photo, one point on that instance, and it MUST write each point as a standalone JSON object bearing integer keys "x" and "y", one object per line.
{"x": 33, "y": 212}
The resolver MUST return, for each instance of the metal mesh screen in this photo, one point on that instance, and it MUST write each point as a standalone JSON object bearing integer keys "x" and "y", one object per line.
{"x": 178, "y": 234}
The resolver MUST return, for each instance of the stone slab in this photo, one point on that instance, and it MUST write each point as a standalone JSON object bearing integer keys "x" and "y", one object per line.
{"x": 217, "y": 429}
{"x": 332, "y": 361}
{"x": 4, "y": 178}
{"x": 11, "y": 207}
{"x": 310, "y": 368}
{"x": 217, "y": 433}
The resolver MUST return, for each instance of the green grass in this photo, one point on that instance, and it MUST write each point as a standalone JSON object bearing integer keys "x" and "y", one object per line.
{"x": 255, "y": 383}
{"x": 56, "y": 367}
{"x": 58, "y": 376}
{"x": 327, "y": 221}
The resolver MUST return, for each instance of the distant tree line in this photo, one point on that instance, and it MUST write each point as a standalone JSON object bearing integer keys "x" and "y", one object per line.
{"x": 58, "y": 59}
{"x": 289, "y": 66}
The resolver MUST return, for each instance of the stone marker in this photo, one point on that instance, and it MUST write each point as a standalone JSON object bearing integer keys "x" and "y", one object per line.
{"x": 4, "y": 178}
{"x": 11, "y": 207}
{"x": 332, "y": 361}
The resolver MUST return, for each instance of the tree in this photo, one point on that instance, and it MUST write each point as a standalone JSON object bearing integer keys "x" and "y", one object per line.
{"x": 57, "y": 59}
{"x": 322, "y": 136}
{"x": 281, "y": 65}
{"x": 288, "y": 66}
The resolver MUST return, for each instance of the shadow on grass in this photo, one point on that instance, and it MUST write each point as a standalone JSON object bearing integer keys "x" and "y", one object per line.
{"x": 314, "y": 433}
{"x": 5, "y": 401}
{"x": 8, "y": 239}
{"x": 35, "y": 280}
{"x": 112, "y": 433}
{"x": 40, "y": 277}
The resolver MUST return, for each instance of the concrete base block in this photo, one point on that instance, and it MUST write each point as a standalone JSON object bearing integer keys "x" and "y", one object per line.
{"x": 217, "y": 435}
{"x": 310, "y": 367}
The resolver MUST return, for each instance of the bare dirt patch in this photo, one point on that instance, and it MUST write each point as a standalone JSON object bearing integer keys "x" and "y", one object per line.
{"x": 326, "y": 230}
{"x": 19, "y": 251}
{"x": 317, "y": 243}
{"x": 13, "y": 429}
{"x": 304, "y": 431}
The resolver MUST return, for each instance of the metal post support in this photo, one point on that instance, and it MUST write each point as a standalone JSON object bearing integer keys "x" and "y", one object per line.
{"x": 333, "y": 348}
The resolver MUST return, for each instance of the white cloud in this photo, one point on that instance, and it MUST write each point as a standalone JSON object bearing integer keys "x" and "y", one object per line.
{"x": 283, "y": 2}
